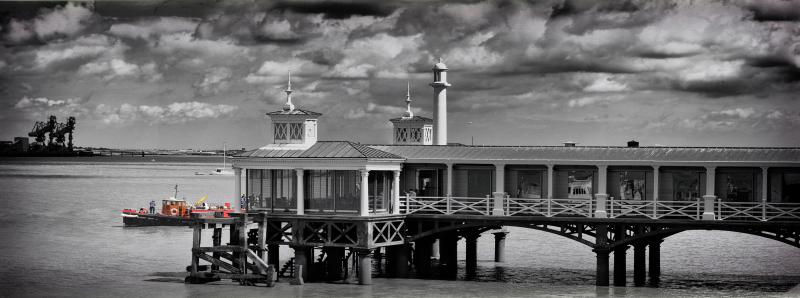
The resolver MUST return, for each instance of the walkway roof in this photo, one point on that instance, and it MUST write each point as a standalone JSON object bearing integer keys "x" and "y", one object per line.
{"x": 510, "y": 153}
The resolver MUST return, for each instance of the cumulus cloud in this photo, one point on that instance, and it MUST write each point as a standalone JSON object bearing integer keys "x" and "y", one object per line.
{"x": 214, "y": 81}
{"x": 118, "y": 68}
{"x": 593, "y": 100}
{"x": 605, "y": 84}
{"x": 44, "y": 102}
{"x": 382, "y": 52}
{"x": 178, "y": 112}
{"x": 153, "y": 28}
{"x": 63, "y": 21}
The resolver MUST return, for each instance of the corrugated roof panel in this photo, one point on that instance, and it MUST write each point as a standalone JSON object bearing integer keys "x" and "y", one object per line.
{"x": 592, "y": 153}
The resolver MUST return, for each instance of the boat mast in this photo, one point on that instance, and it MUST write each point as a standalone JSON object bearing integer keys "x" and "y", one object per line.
{"x": 176, "y": 192}
{"x": 224, "y": 151}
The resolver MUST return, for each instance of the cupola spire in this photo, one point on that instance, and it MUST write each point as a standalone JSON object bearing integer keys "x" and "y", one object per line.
{"x": 409, "y": 113}
{"x": 289, "y": 106}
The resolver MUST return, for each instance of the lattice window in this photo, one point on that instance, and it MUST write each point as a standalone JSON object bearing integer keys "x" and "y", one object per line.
{"x": 416, "y": 135}
{"x": 295, "y": 131}
{"x": 280, "y": 131}
{"x": 401, "y": 135}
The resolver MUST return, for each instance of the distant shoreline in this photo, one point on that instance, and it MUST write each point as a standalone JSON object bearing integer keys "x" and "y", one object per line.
{"x": 161, "y": 159}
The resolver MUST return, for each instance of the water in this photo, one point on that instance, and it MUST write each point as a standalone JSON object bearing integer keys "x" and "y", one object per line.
{"x": 63, "y": 236}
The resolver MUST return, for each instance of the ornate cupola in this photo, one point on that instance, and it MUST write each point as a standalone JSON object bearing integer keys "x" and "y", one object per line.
{"x": 410, "y": 129}
{"x": 293, "y": 127}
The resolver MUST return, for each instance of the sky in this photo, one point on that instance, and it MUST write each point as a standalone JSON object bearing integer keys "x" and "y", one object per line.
{"x": 197, "y": 74}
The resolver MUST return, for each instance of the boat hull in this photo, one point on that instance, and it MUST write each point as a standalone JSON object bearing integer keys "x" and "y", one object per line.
{"x": 143, "y": 220}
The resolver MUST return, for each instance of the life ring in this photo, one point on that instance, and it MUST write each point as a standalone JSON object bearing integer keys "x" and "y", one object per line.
{"x": 173, "y": 211}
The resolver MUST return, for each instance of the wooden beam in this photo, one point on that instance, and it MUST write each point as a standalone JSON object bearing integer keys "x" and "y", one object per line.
{"x": 219, "y": 263}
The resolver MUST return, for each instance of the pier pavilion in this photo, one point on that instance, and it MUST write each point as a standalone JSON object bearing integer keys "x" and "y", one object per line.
{"x": 343, "y": 205}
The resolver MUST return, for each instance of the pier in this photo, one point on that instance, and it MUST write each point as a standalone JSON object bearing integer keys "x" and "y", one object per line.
{"x": 344, "y": 206}
{"x": 342, "y": 248}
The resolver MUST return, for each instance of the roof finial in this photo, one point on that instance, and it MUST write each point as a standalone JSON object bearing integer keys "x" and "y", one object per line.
{"x": 409, "y": 113}
{"x": 289, "y": 106}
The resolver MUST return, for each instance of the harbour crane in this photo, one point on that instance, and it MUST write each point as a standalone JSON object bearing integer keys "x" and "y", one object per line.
{"x": 61, "y": 130}
{"x": 41, "y": 128}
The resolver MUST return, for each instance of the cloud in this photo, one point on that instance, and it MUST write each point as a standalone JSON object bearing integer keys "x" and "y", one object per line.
{"x": 336, "y": 9}
{"x": 44, "y": 102}
{"x": 62, "y": 21}
{"x": 382, "y": 52}
{"x": 178, "y": 112}
{"x": 118, "y": 68}
{"x": 592, "y": 100}
{"x": 214, "y": 81}
{"x": 605, "y": 84}
{"x": 152, "y": 28}
{"x": 86, "y": 47}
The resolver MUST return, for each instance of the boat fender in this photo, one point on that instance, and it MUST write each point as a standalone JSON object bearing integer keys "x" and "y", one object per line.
{"x": 173, "y": 211}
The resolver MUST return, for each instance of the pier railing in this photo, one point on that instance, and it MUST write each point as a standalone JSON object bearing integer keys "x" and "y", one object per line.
{"x": 558, "y": 207}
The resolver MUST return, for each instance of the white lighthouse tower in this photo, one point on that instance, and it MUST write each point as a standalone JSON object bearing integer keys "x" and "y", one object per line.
{"x": 440, "y": 85}
{"x": 410, "y": 129}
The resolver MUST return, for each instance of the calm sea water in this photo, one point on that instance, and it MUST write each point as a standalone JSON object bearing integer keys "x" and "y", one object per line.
{"x": 63, "y": 236}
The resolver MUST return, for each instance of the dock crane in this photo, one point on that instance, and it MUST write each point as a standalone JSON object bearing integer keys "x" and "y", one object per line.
{"x": 41, "y": 128}
{"x": 61, "y": 130}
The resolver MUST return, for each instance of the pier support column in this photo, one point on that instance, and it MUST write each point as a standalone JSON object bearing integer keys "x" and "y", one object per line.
{"x": 301, "y": 257}
{"x": 639, "y": 265}
{"x": 364, "y": 267}
{"x": 216, "y": 240}
{"x": 435, "y": 249}
{"x": 620, "y": 277}
{"x": 333, "y": 263}
{"x": 237, "y": 198}
{"x": 379, "y": 257}
{"x": 601, "y": 274}
{"x": 500, "y": 246}
{"x": 398, "y": 261}
{"x": 273, "y": 255}
{"x": 472, "y": 251}
{"x": 422, "y": 257}
{"x": 449, "y": 255}
{"x": 655, "y": 262}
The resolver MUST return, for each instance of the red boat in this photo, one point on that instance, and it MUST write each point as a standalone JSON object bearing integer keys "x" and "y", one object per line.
{"x": 174, "y": 212}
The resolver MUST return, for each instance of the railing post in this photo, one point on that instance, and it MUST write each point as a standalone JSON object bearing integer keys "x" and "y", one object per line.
{"x": 719, "y": 208}
{"x": 498, "y": 203}
{"x": 488, "y": 205}
{"x": 611, "y": 207}
{"x": 447, "y": 203}
{"x": 697, "y": 216}
{"x": 763, "y": 210}
{"x": 508, "y": 205}
{"x": 549, "y": 206}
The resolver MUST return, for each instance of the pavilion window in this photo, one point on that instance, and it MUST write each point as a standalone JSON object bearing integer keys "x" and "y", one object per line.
{"x": 401, "y": 135}
{"x": 681, "y": 184}
{"x": 579, "y": 184}
{"x": 281, "y": 131}
{"x": 427, "y": 134}
{"x": 628, "y": 185}
{"x": 295, "y": 131}
{"x": 415, "y": 135}
{"x": 378, "y": 192}
{"x": 737, "y": 184}
{"x": 526, "y": 184}
{"x": 330, "y": 191}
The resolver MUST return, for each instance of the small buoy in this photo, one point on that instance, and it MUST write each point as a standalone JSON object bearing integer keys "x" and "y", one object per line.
{"x": 173, "y": 211}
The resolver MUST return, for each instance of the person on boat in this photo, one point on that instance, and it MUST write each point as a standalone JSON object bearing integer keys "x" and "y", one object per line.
{"x": 153, "y": 207}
